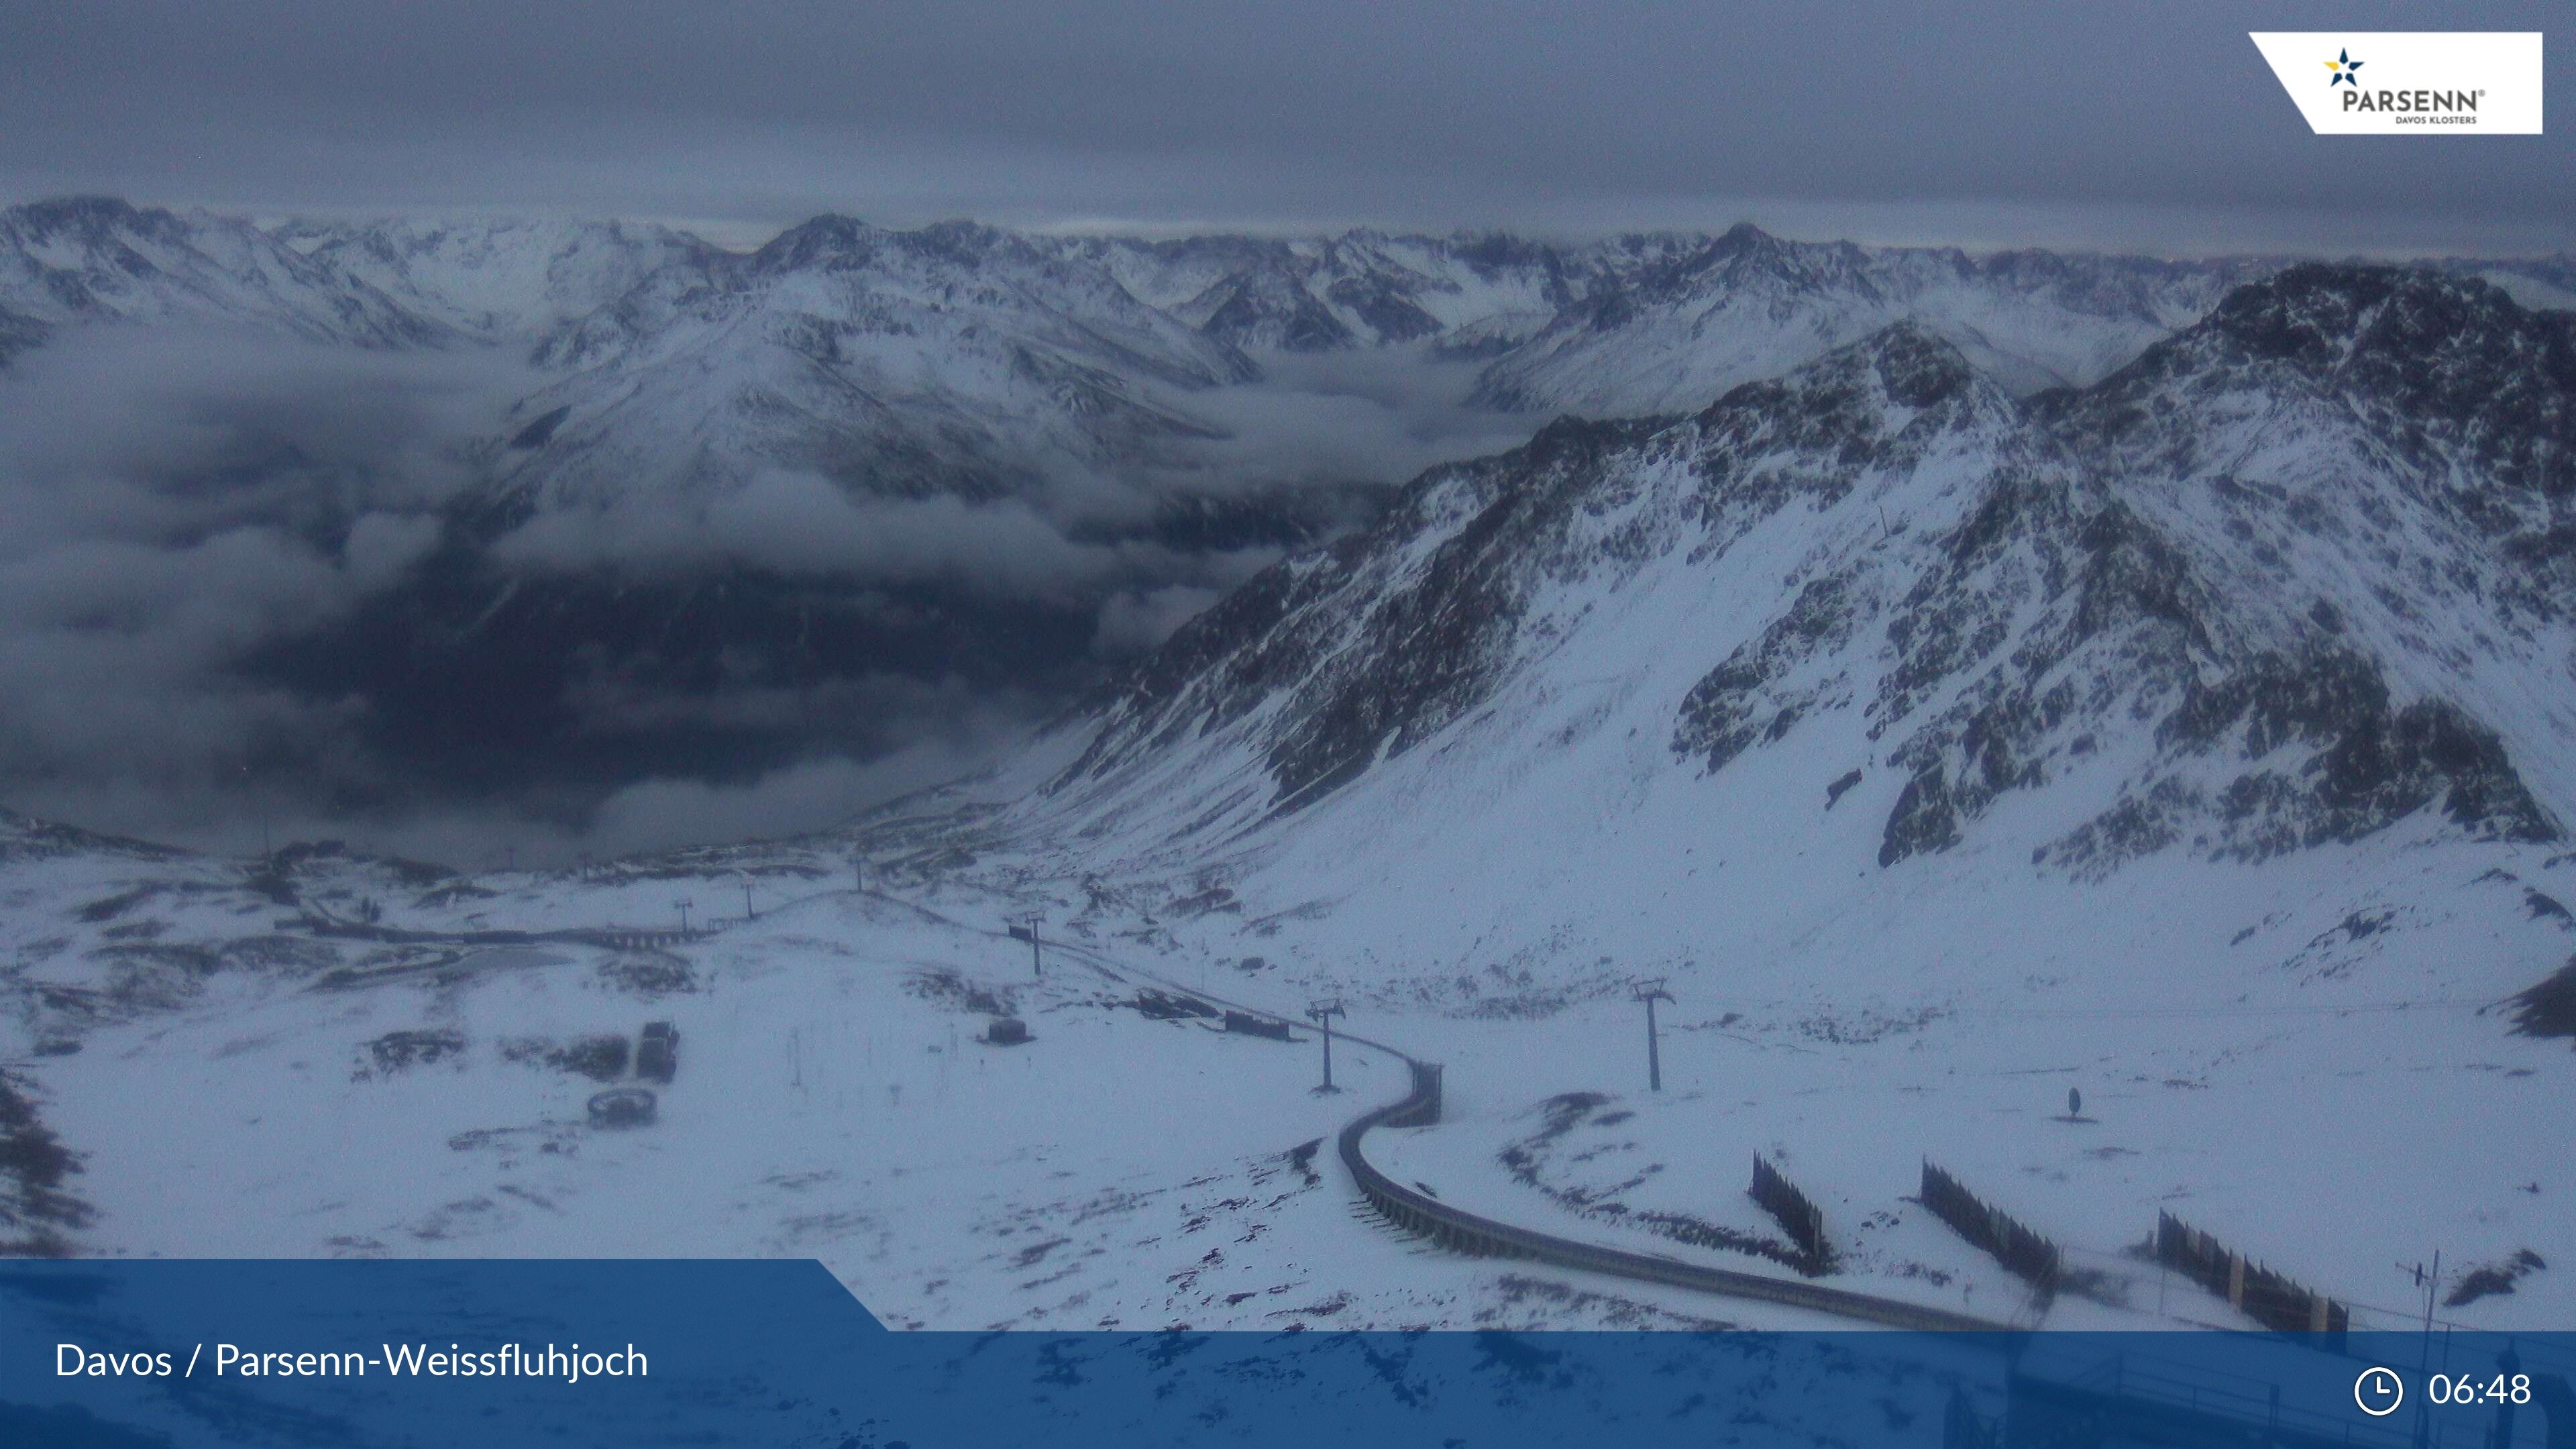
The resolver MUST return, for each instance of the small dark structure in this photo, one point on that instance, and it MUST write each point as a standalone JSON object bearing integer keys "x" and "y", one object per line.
{"x": 2268, "y": 1298}
{"x": 1799, "y": 1217}
{"x": 623, "y": 1107}
{"x": 397, "y": 1050}
{"x": 1160, "y": 1007}
{"x": 1422, "y": 1109}
{"x": 2024, "y": 1253}
{"x": 657, "y": 1053}
{"x": 1250, "y": 1025}
{"x": 1007, "y": 1031}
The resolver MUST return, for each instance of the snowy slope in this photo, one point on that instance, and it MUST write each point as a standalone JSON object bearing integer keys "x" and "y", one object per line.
{"x": 955, "y": 359}
{"x": 506, "y": 279}
{"x": 179, "y": 1024}
{"x": 91, "y": 259}
{"x": 1745, "y": 305}
{"x": 1474, "y": 292}
{"x": 1675, "y": 334}
{"x": 1995, "y": 594}
{"x": 2198, "y": 739}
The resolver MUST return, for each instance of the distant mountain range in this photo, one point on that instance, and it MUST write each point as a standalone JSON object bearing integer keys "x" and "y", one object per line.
{"x": 961, "y": 357}
{"x": 939, "y": 453}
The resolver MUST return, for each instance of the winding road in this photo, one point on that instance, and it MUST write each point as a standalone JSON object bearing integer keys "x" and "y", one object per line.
{"x": 1474, "y": 1234}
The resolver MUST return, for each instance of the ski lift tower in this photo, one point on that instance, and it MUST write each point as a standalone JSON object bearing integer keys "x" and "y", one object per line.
{"x": 1321, "y": 1014}
{"x": 1650, "y": 992}
{"x": 1027, "y": 930}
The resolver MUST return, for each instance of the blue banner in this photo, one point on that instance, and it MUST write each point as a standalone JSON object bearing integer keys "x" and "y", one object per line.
{"x": 121, "y": 1355}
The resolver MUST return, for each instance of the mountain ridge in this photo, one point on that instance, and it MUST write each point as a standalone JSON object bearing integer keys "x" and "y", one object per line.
{"x": 2070, "y": 586}
{"x": 814, "y": 469}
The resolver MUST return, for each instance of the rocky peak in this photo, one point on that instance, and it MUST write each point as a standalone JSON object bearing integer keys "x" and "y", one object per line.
{"x": 829, "y": 240}
{"x": 89, "y": 219}
{"x": 2432, "y": 342}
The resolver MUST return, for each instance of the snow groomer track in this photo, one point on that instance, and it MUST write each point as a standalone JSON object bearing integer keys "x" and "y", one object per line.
{"x": 1473, "y": 1234}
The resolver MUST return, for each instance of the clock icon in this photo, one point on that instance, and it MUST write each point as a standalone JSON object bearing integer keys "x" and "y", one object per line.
{"x": 2379, "y": 1391}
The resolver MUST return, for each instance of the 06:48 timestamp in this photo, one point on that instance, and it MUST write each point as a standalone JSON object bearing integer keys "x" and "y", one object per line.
{"x": 2470, "y": 1389}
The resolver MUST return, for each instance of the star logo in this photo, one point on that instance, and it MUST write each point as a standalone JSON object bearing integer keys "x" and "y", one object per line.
{"x": 2343, "y": 66}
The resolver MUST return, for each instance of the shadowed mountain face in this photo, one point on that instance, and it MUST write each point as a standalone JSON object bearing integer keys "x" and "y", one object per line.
{"x": 528, "y": 510}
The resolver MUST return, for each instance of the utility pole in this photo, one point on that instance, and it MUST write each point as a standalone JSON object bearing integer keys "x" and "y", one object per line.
{"x": 1037, "y": 963}
{"x": 2431, "y": 1283}
{"x": 2424, "y": 1409}
{"x": 2432, "y": 1286}
{"x": 1651, "y": 992}
{"x": 859, "y": 873}
{"x": 748, "y": 913}
{"x": 1322, "y": 1013}
{"x": 684, "y": 917}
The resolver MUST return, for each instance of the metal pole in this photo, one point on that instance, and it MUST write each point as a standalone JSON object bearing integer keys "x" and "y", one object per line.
{"x": 1328, "y": 1053}
{"x": 1654, "y": 1054}
{"x": 1037, "y": 963}
{"x": 748, "y": 913}
{"x": 2424, "y": 1361}
{"x": 2432, "y": 1286}
{"x": 1651, "y": 992}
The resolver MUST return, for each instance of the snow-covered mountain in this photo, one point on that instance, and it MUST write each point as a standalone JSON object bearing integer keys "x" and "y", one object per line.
{"x": 505, "y": 279}
{"x": 2198, "y": 739}
{"x": 1745, "y": 305}
{"x": 1468, "y": 294}
{"x": 957, "y": 359}
{"x": 91, "y": 259}
{"x": 859, "y": 450}
{"x": 2284, "y": 580}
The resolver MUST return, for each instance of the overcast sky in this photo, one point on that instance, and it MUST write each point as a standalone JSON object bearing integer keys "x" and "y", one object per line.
{"x": 2144, "y": 124}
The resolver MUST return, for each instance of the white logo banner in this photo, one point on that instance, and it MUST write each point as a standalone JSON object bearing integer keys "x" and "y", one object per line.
{"x": 2421, "y": 83}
